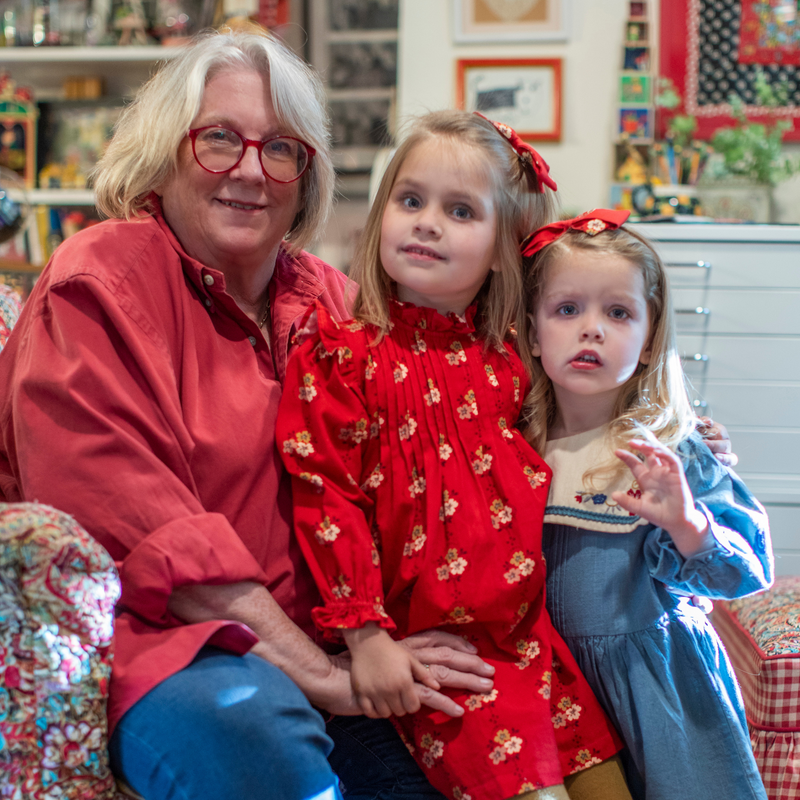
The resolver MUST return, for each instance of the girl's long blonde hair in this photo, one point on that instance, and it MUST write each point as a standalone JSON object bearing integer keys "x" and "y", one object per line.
{"x": 655, "y": 397}
{"x": 519, "y": 207}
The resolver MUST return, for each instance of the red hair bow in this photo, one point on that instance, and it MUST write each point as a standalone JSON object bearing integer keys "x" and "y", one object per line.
{"x": 592, "y": 222}
{"x": 529, "y": 157}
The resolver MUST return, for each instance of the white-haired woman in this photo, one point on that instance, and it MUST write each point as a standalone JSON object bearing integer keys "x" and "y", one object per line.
{"x": 139, "y": 394}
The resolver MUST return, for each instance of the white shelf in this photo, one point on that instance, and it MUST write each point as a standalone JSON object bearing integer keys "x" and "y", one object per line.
{"x": 56, "y": 197}
{"x": 28, "y": 55}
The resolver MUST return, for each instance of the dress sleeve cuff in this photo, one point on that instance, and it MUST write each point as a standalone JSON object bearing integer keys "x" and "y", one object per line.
{"x": 336, "y": 616}
{"x": 194, "y": 550}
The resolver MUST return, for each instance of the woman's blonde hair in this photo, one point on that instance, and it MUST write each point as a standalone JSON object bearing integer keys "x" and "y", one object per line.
{"x": 519, "y": 209}
{"x": 655, "y": 397}
{"x": 142, "y": 153}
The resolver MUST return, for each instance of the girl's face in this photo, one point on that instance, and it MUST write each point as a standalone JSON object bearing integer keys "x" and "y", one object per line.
{"x": 592, "y": 327}
{"x": 439, "y": 227}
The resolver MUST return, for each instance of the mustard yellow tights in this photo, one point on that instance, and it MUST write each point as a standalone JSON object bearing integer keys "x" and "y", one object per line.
{"x": 604, "y": 781}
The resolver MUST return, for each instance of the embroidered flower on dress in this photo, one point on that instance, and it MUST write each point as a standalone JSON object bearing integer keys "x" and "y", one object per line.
{"x": 504, "y": 430}
{"x": 460, "y": 794}
{"x": 419, "y": 346}
{"x": 544, "y": 689}
{"x": 507, "y": 745}
{"x": 572, "y": 711}
{"x": 449, "y": 505}
{"x": 301, "y": 444}
{"x": 326, "y": 531}
{"x": 516, "y": 388}
{"x": 314, "y": 480}
{"x": 535, "y": 479}
{"x": 476, "y": 701}
{"x": 434, "y": 395}
{"x": 457, "y": 356}
{"x": 501, "y": 513}
{"x": 490, "y": 375}
{"x": 584, "y": 759}
{"x": 371, "y": 368}
{"x": 307, "y": 390}
{"x": 431, "y": 749}
{"x": 357, "y": 434}
{"x": 375, "y": 478}
{"x": 454, "y": 564}
{"x": 399, "y": 372}
{"x": 469, "y": 407}
{"x": 340, "y": 588}
{"x": 417, "y": 486}
{"x": 521, "y": 567}
{"x": 445, "y": 451}
{"x": 407, "y": 430}
{"x": 528, "y": 650}
{"x": 376, "y": 559}
{"x": 459, "y": 616}
{"x": 482, "y": 463}
{"x": 417, "y": 542}
{"x": 376, "y": 425}
{"x": 344, "y": 353}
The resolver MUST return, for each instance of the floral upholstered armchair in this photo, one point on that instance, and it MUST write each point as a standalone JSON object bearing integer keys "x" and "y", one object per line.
{"x": 58, "y": 588}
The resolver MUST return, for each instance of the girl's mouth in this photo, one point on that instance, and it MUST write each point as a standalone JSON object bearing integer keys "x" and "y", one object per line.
{"x": 424, "y": 253}
{"x": 586, "y": 359}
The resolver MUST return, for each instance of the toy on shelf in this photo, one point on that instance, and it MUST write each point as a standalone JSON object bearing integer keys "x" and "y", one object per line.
{"x": 17, "y": 129}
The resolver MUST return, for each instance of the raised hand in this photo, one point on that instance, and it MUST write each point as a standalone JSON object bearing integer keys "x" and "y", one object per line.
{"x": 665, "y": 500}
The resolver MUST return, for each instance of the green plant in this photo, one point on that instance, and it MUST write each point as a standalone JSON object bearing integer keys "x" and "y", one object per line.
{"x": 680, "y": 127}
{"x": 753, "y": 150}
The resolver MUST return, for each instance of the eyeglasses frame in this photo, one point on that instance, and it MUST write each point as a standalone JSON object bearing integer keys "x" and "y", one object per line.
{"x": 259, "y": 144}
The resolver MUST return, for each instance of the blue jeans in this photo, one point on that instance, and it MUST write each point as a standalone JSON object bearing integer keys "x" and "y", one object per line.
{"x": 237, "y": 727}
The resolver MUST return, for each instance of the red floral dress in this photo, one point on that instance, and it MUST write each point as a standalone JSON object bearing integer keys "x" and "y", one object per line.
{"x": 419, "y": 505}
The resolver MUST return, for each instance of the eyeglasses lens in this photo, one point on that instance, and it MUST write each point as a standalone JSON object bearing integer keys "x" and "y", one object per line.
{"x": 219, "y": 149}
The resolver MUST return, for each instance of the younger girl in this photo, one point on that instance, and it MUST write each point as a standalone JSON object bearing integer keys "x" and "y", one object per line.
{"x": 417, "y": 502}
{"x": 627, "y": 533}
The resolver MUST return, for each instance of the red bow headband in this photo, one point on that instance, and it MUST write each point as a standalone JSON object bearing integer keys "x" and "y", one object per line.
{"x": 592, "y": 222}
{"x": 527, "y": 155}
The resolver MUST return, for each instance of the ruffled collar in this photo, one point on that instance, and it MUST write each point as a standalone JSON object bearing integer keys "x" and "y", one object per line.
{"x": 430, "y": 319}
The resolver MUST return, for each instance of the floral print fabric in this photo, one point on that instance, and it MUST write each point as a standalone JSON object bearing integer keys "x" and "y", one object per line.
{"x": 419, "y": 505}
{"x": 58, "y": 588}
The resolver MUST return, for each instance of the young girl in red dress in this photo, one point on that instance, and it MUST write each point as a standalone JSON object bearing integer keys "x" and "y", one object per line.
{"x": 418, "y": 504}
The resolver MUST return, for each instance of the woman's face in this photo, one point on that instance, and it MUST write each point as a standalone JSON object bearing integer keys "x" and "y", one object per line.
{"x": 232, "y": 221}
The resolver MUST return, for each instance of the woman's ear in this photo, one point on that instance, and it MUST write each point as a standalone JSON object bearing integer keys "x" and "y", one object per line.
{"x": 647, "y": 353}
{"x": 536, "y": 351}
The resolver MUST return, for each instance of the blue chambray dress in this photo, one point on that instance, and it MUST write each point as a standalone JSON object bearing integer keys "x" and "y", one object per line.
{"x": 654, "y": 660}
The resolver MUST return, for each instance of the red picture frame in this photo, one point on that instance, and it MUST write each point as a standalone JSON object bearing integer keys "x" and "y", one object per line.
{"x": 524, "y": 93}
{"x": 678, "y": 51}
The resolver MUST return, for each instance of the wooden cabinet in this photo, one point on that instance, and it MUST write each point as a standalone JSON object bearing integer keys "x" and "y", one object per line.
{"x": 736, "y": 291}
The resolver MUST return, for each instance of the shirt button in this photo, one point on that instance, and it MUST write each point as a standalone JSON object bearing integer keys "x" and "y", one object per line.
{"x": 208, "y": 280}
{"x": 208, "y": 302}
{"x": 252, "y": 340}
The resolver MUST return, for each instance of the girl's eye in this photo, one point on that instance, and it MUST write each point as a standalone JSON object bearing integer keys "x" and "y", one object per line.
{"x": 567, "y": 310}
{"x": 619, "y": 313}
{"x": 462, "y": 212}
{"x": 411, "y": 202}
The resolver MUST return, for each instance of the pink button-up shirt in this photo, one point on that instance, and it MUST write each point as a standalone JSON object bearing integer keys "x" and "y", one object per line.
{"x": 139, "y": 398}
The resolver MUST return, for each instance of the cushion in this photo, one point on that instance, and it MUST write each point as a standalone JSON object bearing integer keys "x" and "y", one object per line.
{"x": 762, "y": 636}
{"x": 58, "y": 588}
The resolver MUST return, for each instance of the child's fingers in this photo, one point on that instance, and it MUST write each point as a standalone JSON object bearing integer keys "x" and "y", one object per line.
{"x": 367, "y": 707}
{"x": 410, "y": 700}
{"x": 631, "y": 504}
{"x": 628, "y": 458}
{"x": 422, "y": 674}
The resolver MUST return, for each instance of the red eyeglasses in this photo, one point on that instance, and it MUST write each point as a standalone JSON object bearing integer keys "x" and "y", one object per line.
{"x": 283, "y": 158}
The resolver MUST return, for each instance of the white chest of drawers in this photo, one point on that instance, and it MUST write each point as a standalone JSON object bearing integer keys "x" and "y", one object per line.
{"x": 736, "y": 291}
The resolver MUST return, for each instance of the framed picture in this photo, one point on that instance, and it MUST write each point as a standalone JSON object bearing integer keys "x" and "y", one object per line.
{"x": 697, "y": 58}
{"x": 509, "y": 20}
{"x": 522, "y": 93}
{"x": 635, "y": 124}
{"x": 638, "y": 10}
{"x": 637, "y": 59}
{"x": 635, "y": 90}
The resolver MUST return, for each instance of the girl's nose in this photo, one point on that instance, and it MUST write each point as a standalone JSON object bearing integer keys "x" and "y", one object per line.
{"x": 592, "y": 330}
{"x": 427, "y": 223}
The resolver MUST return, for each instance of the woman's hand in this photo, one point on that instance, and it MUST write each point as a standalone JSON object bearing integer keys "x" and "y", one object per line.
{"x": 715, "y": 435}
{"x": 385, "y": 675}
{"x": 665, "y": 500}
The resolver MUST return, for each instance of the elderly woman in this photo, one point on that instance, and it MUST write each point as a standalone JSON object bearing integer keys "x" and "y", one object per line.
{"x": 139, "y": 394}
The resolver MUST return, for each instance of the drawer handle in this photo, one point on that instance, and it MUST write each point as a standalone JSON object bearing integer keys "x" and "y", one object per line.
{"x": 697, "y": 310}
{"x": 695, "y": 357}
{"x": 696, "y": 264}
{"x": 700, "y": 404}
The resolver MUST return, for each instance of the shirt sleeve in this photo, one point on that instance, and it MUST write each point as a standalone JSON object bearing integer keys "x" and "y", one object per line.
{"x": 328, "y": 439}
{"x": 93, "y": 426}
{"x": 740, "y": 561}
